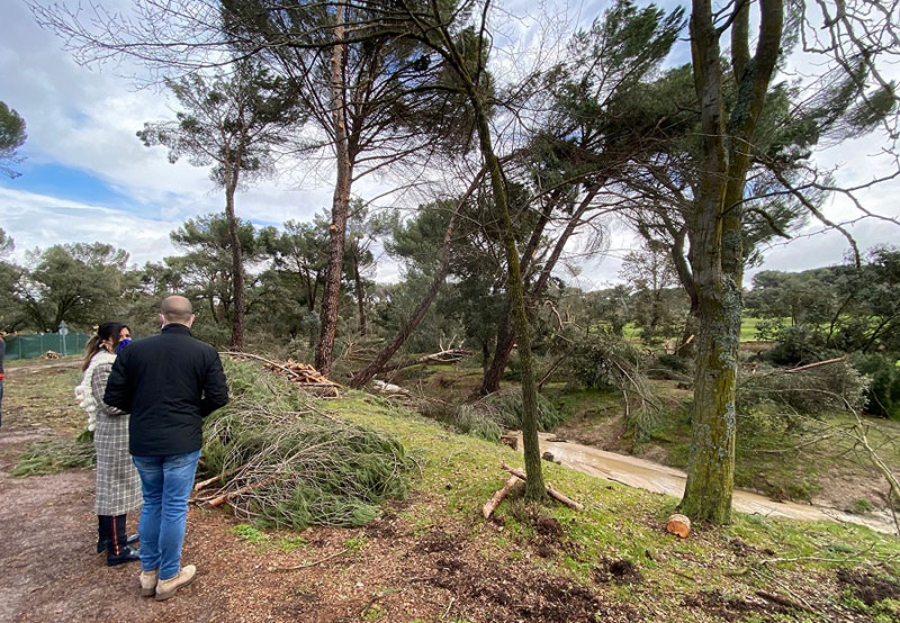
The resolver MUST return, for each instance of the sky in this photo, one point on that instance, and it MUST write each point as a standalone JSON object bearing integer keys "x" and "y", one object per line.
{"x": 87, "y": 178}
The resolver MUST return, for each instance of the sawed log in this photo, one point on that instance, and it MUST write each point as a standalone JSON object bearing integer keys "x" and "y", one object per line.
{"x": 494, "y": 502}
{"x": 679, "y": 524}
{"x": 553, "y": 493}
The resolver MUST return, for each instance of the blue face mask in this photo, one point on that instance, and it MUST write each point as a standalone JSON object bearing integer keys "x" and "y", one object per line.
{"x": 122, "y": 344}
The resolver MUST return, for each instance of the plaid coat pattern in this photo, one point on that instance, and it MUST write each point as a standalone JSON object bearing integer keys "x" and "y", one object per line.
{"x": 118, "y": 482}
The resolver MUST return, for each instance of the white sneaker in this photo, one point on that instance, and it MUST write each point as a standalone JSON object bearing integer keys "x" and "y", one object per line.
{"x": 167, "y": 588}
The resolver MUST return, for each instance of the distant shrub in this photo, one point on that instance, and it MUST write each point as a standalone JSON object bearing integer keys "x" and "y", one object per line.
{"x": 767, "y": 330}
{"x": 604, "y": 362}
{"x": 503, "y": 410}
{"x": 797, "y": 345}
{"x": 883, "y": 396}
{"x": 671, "y": 367}
{"x": 777, "y": 395}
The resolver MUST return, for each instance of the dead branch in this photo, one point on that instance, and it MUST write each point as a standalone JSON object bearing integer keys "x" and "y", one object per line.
{"x": 300, "y": 373}
{"x": 515, "y": 471}
{"x": 784, "y": 601}
{"x": 553, "y": 493}
{"x": 685, "y": 343}
{"x": 221, "y": 499}
{"x": 559, "y": 497}
{"x": 859, "y": 434}
{"x": 495, "y": 500}
{"x": 205, "y": 483}
{"x": 311, "y": 564}
{"x": 444, "y": 356}
{"x": 817, "y": 364}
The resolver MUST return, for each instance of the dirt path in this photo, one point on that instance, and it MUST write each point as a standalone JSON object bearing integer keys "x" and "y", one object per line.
{"x": 643, "y": 474}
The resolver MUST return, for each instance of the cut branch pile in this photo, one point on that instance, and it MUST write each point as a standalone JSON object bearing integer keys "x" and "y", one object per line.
{"x": 296, "y": 470}
{"x": 304, "y": 374}
{"x": 282, "y": 463}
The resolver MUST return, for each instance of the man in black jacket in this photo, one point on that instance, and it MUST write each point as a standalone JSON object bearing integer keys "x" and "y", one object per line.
{"x": 169, "y": 383}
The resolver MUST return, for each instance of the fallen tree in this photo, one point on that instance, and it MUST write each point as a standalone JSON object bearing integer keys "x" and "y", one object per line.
{"x": 279, "y": 461}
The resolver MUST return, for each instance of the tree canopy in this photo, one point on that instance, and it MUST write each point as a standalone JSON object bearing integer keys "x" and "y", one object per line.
{"x": 12, "y": 136}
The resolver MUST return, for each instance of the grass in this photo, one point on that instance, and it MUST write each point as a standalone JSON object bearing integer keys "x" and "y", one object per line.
{"x": 617, "y": 522}
{"x": 748, "y": 329}
{"x": 264, "y": 542}
{"x": 456, "y": 475}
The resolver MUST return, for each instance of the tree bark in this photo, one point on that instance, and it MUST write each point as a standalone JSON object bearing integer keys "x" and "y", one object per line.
{"x": 715, "y": 236}
{"x": 534, "y": 486}
{"x": 360, "y": 296}
{"x": 340, "y": 206}
{"x": 237, "y": 263}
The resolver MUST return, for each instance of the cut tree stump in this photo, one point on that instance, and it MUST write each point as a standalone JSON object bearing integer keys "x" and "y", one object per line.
{"x": 679, "y": 524}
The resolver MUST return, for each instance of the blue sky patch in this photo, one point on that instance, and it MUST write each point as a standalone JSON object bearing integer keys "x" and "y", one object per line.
{"x": 64, "y": 182}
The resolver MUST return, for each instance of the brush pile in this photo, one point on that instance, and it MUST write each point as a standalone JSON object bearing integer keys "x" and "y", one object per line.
{"x": 277, "y": 460}
{"x": 301, "y": 373}
{"x": 307, "y": 376}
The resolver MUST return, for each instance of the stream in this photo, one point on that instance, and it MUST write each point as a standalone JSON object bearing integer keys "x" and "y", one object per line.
{"x": 643, "y": 474}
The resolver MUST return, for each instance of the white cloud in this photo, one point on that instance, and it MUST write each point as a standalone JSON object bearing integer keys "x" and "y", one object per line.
{"x": 39, "y": 221}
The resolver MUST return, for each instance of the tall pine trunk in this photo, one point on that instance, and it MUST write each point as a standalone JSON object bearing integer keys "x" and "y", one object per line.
{"x": 505, "y": 338}
{"x": 237, "y": 265}
{"x": 534, "y": 486}
{"x": 340, "y": 207}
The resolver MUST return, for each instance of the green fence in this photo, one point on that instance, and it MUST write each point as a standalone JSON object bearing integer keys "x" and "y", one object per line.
{"x": 31, "y": 346}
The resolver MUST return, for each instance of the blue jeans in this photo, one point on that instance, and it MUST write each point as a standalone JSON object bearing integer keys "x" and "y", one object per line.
{"x": 166, "y": 482}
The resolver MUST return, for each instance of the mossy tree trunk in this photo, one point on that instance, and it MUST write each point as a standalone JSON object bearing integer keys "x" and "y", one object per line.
{"x": 470, "y": 71}
{"x": 715, "y": 235}
{"x": 534, "y": 486}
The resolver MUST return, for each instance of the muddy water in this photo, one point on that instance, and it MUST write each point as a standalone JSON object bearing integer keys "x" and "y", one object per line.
{"x": 643, "y": 474}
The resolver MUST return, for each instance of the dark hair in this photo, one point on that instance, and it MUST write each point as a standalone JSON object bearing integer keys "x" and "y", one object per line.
{"x": 104, "y": 332}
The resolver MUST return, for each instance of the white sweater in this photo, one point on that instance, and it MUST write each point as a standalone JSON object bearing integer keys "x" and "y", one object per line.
{"x": 83, "y": 393}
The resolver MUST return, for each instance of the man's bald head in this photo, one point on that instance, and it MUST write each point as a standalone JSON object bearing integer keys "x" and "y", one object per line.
{"x": 177, "y": 309}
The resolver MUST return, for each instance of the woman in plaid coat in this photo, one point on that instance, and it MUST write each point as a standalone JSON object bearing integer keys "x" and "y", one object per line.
{"x": 118, "y": 483}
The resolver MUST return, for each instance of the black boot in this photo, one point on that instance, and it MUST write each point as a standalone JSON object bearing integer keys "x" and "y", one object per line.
{"x": 105, "y": 527}
{"x": 118, "y": 551}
